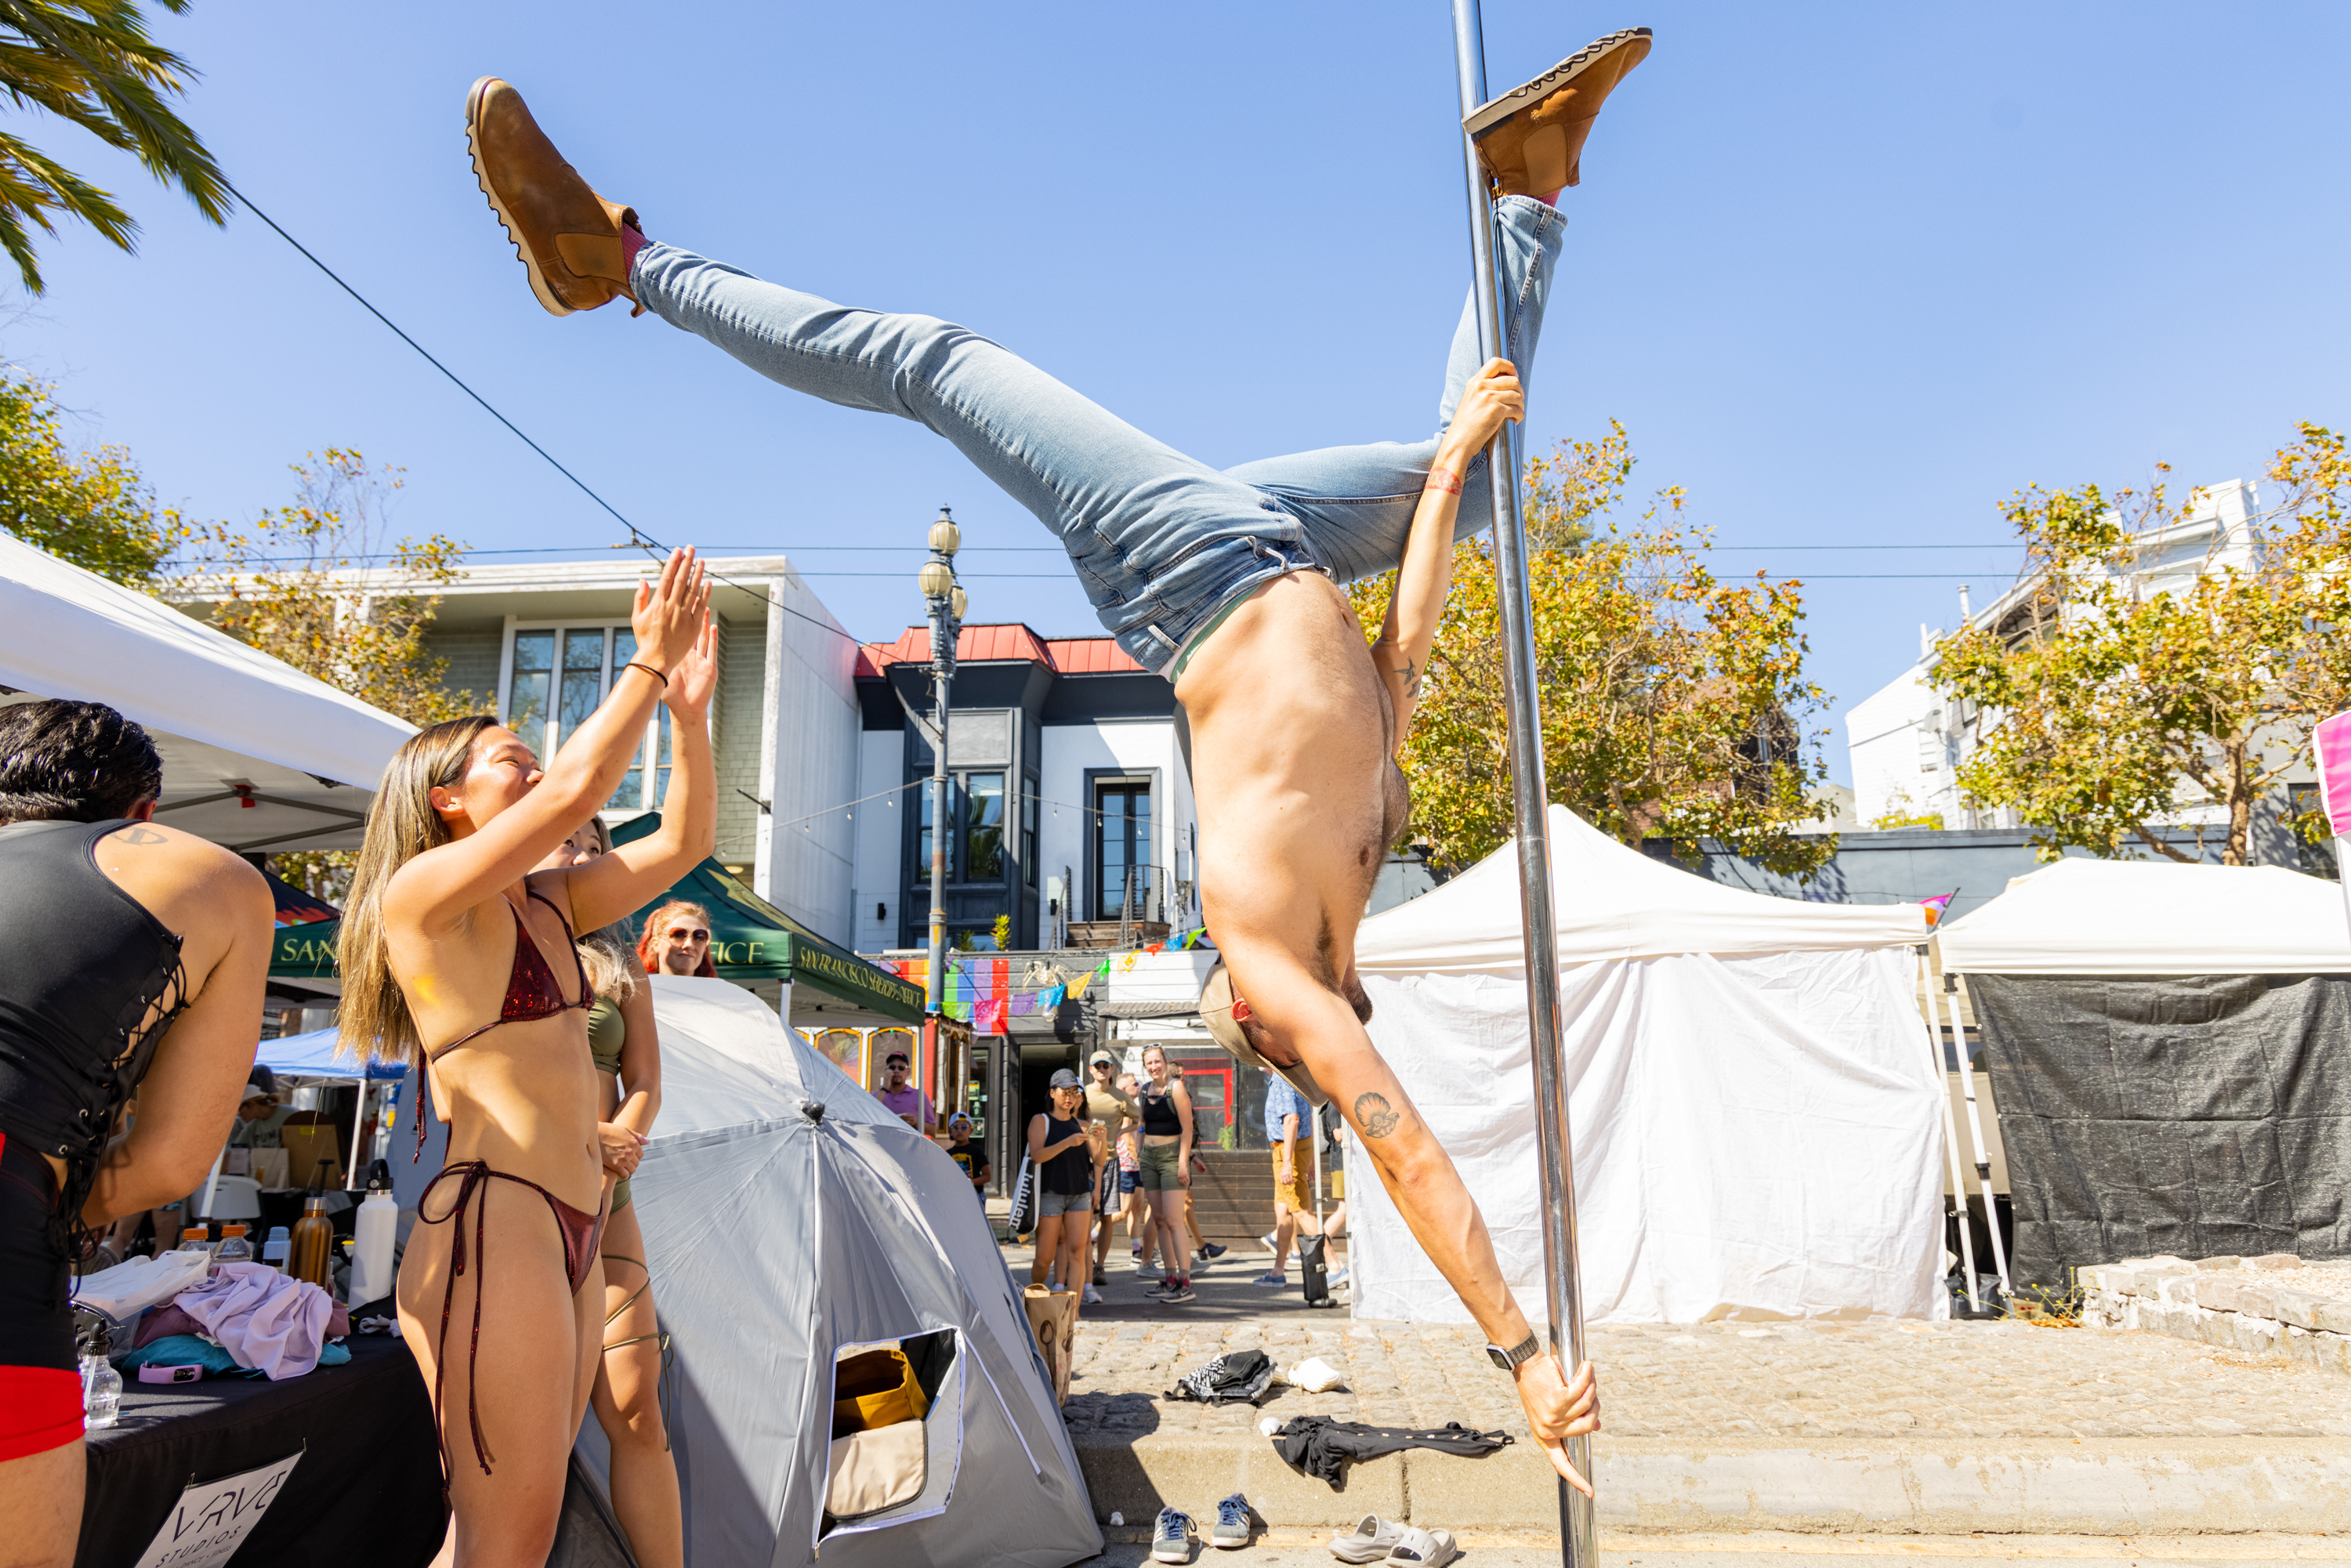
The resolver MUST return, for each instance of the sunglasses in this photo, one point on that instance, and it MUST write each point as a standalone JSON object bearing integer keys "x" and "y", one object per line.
{"x": 682, "y": 934}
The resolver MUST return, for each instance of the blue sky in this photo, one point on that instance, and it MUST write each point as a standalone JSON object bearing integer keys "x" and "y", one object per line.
{"x": 1850, "y": 275}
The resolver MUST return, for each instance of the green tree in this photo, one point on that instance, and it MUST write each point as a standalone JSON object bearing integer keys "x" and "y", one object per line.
{"x": 290, "y": 586}
{"x": 91, "y": 63}
{"x": 1672, "y": 703}
{"x": 2109, "y": 707}
{"x": 91, "y": 508}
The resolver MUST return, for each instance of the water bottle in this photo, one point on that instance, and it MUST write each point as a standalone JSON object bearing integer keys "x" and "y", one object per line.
{"x": 195, "y": 1238}
{"x": 234, "y": 1248}
{"x": 102, "y": 1386}
{"x": 373, "y": 1231}
{"x": 274, "y": 1250}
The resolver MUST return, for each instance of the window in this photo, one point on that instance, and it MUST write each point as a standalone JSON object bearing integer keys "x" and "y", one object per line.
{"x": 559, "y": 676}
{"x": 983, "y": 835}
{"x": 1121, "y": 817}
{"x": 1029, "y": 833}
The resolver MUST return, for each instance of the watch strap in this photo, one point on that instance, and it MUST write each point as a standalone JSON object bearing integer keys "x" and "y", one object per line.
{"x": 1525, "y": 1350}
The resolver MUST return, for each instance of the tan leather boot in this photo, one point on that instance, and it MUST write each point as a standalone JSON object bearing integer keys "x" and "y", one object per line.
{"x": 567, "y": 235}
{"x": 1530, "y": 139}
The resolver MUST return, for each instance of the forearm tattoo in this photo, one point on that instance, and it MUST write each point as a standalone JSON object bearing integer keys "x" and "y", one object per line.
{"x": 1411, "y": 674}
{"x": 1373, "y": 1116}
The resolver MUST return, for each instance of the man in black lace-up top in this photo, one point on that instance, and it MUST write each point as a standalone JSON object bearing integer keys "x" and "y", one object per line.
{"x": 136, "y": 954}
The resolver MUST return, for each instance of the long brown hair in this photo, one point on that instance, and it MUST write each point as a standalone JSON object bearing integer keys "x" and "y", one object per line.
{"x": 401, "y": 826}
{"x": 659, "y": 918}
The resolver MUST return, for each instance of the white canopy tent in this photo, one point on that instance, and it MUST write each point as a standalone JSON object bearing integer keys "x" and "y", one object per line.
{"x": 1754, "y": 1107}
{"x": 2081, "y": 917}
{"x": 257, "y": 756}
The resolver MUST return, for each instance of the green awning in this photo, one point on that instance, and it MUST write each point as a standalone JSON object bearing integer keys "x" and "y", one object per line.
{"x": 750, "y": 939}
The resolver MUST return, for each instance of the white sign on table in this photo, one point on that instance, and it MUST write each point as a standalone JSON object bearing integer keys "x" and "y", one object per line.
{"x": 212, "y": 1520}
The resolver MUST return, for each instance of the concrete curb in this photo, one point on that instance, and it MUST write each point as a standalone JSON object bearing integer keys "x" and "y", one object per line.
{"x": 2057, "y": 1486}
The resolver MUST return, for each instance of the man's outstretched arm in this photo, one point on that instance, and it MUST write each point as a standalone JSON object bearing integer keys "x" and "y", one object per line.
{"x": 1319, "y": 1027}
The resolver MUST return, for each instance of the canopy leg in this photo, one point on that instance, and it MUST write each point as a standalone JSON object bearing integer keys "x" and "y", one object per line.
{"x": 1937, "y": 1072}
{"x": 1530, "y": 797}
{"x": 1975, "y": 1131}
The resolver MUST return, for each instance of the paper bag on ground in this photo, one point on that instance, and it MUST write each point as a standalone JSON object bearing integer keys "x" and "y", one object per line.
{"x": 1053, "y": 1319}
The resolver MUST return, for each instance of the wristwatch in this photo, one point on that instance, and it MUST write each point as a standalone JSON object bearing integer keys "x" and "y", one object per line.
{"x": 1526, "y": 1349}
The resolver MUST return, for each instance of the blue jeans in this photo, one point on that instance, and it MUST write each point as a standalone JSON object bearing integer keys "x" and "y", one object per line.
{"x": 1161, "y": 542}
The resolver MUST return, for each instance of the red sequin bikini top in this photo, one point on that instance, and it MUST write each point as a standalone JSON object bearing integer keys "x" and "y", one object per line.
{"x": 531, "y": 993}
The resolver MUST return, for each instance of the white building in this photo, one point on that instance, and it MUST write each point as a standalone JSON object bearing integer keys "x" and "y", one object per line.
{"x": 539, "y": 645}
{"x": 1905, "y": 743}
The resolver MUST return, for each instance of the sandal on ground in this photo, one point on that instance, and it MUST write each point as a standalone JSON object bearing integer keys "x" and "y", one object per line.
{"x": 1371, "y": 1541}
{"x": 1423, "y": 1548}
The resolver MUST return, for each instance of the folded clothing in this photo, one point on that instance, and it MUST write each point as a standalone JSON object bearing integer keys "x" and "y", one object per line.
{"x": 171, "y": 1318}
{"x": 1322, "y": 1446}
{"x": 1240, "y": 1376}
{"x": 188, "y": 1350}
{"x": 266, "y": 1321}
{"x": 127, "y": 1286}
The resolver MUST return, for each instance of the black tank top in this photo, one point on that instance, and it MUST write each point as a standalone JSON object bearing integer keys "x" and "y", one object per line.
{"x": 1159, "y": 1118}
{"x": 1072, "y": 1170}
{"x": 86, "y": 964}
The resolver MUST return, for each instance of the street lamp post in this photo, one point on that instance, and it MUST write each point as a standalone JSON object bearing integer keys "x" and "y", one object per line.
{"x": 946, "y": 603}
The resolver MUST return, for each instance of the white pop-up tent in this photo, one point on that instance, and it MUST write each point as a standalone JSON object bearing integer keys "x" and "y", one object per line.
{"x": 256, "y": 754}
{"x": 2166, "y": 1046}
{"x": 1754, "y": 1105}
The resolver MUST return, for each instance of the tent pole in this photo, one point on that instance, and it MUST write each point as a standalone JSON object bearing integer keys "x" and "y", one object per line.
{"x": 359, "y": 1120}
{"x": 1531, "y": 798}
{"x": 1950, "y": 1123}
{"x": 1975, "y": 1131}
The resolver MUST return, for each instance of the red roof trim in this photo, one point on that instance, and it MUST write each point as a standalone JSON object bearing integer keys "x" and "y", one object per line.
{"x": 1001, "y": 643}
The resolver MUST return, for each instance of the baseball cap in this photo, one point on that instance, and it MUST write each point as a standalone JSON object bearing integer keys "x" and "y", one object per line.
{"x": 893, "y": 1056}
{"x": 260, "y": 1080}
{"x": 1100, "y": 1058}
{"x": 1065, "y": 1078}
{"x": 1216, "y": 1012}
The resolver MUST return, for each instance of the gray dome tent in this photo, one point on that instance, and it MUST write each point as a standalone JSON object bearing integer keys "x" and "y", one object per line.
{"x": 781, "y": 1238}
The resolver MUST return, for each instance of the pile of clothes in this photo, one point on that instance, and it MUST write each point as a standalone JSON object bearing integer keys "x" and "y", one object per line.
{"x": 183, "y": 1310}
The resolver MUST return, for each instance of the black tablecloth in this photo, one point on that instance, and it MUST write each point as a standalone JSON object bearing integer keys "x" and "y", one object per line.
{"x": 366, "y": 1495}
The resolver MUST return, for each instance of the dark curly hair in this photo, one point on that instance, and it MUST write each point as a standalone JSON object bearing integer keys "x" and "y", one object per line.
{"x": 73, "y": 762}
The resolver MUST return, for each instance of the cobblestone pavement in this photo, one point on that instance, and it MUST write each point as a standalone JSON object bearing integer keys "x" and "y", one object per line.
{"x": 1725, "y": 1381}
{"x": 1300, "y": 1549}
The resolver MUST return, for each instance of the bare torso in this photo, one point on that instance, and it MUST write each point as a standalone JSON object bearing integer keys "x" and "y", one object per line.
{"x": 525, "y": 1097}
{"x": 1293, "y": 770}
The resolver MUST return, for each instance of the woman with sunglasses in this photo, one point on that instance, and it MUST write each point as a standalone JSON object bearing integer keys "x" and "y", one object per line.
{"x": 626, "y": 1048}
{"x": 677, "y": 941}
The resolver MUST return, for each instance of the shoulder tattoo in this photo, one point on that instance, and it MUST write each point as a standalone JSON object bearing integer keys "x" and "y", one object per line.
{"x": 1373, "y": 1116}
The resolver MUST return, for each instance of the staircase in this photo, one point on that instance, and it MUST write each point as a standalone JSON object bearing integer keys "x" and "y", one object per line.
{"x": 1233, "y": 1201}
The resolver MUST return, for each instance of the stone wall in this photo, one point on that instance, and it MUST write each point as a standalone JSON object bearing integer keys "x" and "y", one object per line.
{"x": 2260, "y": 1306}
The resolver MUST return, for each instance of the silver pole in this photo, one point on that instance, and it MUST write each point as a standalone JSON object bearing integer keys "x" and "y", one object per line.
{"x": 1579, "y": 1546}
{"x": 942, "y": 654}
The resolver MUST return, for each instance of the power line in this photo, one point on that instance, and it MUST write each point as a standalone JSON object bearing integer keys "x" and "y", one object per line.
{"x": 652, "y": 546}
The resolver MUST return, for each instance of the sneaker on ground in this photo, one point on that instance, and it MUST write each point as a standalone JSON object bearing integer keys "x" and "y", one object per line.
{"x": 1171, "y": 1537}
{"x": 1232, "y": 1527}
{"x": 1149, "y": 1271}
{"x": 1058, "y": 1289}
{"x": 1210, "y": 1250}
{"x": 1270, "y": 1244}
{"x": 1273, "y": 1277}
{"x": 1335, "y": 1277}
{"x": 1091, "y": 1298}
{"x": 1101, "y": 1275}
{"x": 1181, "y": 1291}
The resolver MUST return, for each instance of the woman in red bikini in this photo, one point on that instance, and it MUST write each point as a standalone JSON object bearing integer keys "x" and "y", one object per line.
{"x": 445, "y": 960}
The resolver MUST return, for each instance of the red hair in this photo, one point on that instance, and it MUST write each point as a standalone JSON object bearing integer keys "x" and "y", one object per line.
{"x": 647, "y": 953}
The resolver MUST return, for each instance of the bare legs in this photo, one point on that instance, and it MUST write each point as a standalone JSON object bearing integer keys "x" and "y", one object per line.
{"x": 528, "y": 1381}
{"x": 1061, "y": 1247}
{"x": 40, "y": 1497}
{"x": 1169, "y": 1211}
{"x": 627, "y": 1402}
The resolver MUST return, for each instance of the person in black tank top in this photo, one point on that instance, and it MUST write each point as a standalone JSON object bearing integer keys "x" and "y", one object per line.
{"x": 1063, "y": 1154}
{"x": 134, "y": 953}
